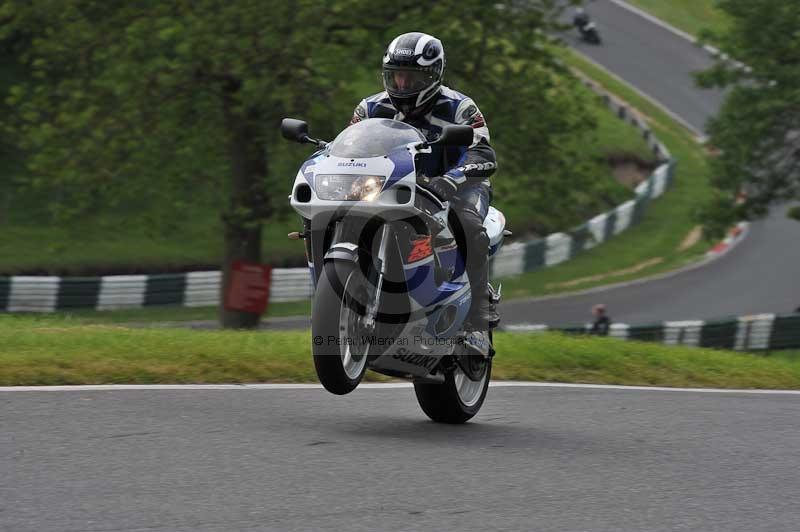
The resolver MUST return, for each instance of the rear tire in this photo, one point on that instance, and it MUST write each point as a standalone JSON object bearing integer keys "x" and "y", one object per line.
{"x": 338, "y": 369}
{"x": 457, "y": 400}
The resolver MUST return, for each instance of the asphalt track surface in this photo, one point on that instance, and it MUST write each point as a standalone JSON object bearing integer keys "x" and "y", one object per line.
{"x": 550, "y": 459}
{"x": 749, "y": 279}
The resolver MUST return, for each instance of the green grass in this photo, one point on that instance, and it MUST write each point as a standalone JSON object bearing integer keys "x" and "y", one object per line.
{"x": 112, "y": 242}
{"x": 560, "y": 358}
{"x": 167, "y": 314}
{"x": 613, "y": 136}
{"x": 691, "y": 16}
{"x": 653, "y": 243}
{"x": 39, "y": 351}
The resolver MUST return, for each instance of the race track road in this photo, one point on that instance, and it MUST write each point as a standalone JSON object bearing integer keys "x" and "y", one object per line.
{"x": 536, "y": 458}
{"x": 760, "y": 275}
{"x": 747, "y": 280}
{"x": 652, "y": 59}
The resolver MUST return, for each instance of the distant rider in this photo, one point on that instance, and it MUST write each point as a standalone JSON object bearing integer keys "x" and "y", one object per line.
{"x": 602, "y": 322}
{"x": 413, "y": 65}
{"x": 581, "y": 18}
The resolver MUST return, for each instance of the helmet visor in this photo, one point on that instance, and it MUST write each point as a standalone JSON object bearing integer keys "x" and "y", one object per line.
{"x": 407, "y": 81}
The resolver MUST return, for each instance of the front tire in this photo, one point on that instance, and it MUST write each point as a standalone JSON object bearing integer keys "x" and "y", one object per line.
{"x": 457, "y": 400}
{"x": 339, "y": 360}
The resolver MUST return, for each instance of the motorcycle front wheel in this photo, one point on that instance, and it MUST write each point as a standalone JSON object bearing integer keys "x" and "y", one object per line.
{"x": 340, "y": 358}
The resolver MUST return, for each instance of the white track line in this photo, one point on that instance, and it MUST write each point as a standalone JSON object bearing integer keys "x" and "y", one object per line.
{"x": 373, "y": 386}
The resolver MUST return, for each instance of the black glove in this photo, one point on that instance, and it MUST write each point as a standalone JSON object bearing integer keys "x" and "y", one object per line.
{"x": 443, "y": 187}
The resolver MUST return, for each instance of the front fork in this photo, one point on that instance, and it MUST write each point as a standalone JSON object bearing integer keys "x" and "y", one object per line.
{"x": 381, "y": 267}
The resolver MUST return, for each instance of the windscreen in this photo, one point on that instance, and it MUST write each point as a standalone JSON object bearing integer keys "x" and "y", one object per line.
{"x": 374, "y": 137}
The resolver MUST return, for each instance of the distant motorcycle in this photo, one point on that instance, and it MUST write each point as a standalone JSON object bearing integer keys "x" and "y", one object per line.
{"x": 589, "y": 33}
{"x": 586, "y": 27}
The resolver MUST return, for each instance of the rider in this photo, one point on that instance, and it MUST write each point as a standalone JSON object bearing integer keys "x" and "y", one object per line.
{"x": 413, "y": 65}
{"x": 581, "y": 18}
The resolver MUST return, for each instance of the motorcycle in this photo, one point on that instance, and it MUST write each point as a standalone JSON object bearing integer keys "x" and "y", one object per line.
{"x": 390, "y": 287}
{"x": 590, "y": 33}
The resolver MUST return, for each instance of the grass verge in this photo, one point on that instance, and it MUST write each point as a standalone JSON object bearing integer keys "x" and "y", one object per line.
{"x": 691, "y": 16}
{"x": 654, "y": 245}
{"x": 40, "y": 351}
{"x": 166, "y": 314}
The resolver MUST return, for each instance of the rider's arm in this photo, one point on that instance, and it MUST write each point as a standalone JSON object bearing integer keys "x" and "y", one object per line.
{"x": 478, "y": 161}
{"x": 360, "y": 112}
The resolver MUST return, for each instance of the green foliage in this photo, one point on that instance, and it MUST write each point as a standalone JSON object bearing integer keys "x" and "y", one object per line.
{"x": 758, "y": 129}
{"x": 128, "y": 103}
{"x": 134, "y": 104}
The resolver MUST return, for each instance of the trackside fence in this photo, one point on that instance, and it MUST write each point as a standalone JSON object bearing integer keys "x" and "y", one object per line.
{"x": 760, "y": 332}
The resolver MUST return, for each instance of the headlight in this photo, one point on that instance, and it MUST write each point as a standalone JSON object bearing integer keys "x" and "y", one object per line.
{"x": 348, "y": 187}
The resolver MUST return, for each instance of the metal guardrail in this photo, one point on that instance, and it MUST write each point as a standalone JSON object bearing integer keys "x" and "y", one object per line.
{"x": 759, "y": 332}
{"x": 47, "y": 294}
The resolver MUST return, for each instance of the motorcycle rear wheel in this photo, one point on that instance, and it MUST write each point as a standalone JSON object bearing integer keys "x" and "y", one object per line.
{"x": 457, "y": 400}
{"x": 339, "y": 360}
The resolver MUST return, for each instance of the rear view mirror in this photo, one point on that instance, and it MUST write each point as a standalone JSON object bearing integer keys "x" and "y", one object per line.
{"x": 296, "y": 130}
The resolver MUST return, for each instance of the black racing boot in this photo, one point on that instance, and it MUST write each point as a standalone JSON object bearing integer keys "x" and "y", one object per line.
{"x": 483, "y": 310}
{"x": 482, "y": 315}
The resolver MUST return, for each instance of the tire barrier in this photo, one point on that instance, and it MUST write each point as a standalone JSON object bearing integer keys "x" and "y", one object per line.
{"x": 48, "y": 294}
{"x": 759, "y": 332}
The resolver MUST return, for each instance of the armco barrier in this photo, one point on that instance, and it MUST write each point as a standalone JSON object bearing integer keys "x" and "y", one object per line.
{"x": 760, "y": 332}
{"x": 47, "y": 294}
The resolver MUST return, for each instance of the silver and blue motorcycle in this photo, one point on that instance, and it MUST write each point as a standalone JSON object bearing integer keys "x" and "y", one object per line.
{"x": 391, "y": 292}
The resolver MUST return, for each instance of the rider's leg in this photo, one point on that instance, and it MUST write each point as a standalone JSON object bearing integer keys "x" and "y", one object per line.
{"x": 471, "y": 205}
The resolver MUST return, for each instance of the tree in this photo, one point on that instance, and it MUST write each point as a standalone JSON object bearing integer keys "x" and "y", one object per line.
{"x": 155, "y": 101}
{"x": 758, "y": 129}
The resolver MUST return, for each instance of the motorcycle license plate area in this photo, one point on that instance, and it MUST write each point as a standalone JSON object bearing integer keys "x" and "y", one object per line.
{"x": 416, "y": 351}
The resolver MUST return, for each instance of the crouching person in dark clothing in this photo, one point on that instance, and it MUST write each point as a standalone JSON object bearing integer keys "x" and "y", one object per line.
{"x": 602, "y": 322}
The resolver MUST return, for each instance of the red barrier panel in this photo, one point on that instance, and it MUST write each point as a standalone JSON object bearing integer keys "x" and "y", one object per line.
{"x": 248, "y": 288}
